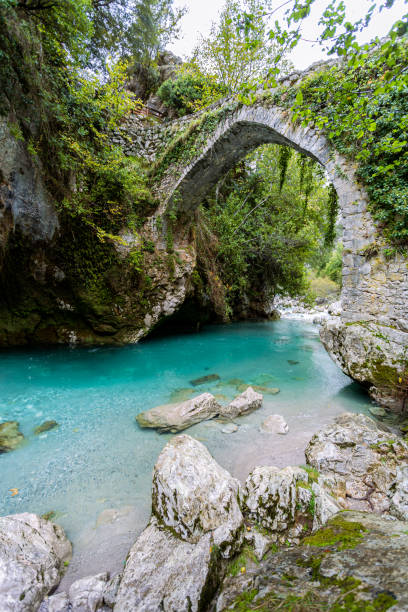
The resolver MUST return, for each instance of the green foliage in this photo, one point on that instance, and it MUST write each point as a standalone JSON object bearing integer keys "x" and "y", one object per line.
{"x": 361, "y": 104}
{"x": 333, "y": 205}
{"x": 321, "y": 287}
{"x": 153, "y": 25}
{"x": 334, "y": 266}
{"x": 314, "y": 600}
{"x": 284, "y": 157}
{"x": 339, "y": 532}
{"x": 366, "y": 118}
{"x": 237, "y": 59}
{"x": 64, "y": 114}
{"x": 312, "y": 473}
{"x": 189, "y": 92}
{"x": 337, "y": 33}
{"x": 256, "y": 237}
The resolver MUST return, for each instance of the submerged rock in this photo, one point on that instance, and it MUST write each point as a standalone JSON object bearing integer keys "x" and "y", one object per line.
{"x": 176, "y": 563}
{"x": 260, "y": 389}
{"x": 275, "y": 424}
{"x": 358, "y": 562}
{"x": 33, "y": 556}
{"x": 176, "y": 417}
{"x": 10, "y": 436}
{"x": 355, "y": 449}
{"x": 235, "y": 382}
{"x": 287, "y": 502}
{"x": 46, "y": 426}
{"x": 230, "y": 428}
{"x": 245, "y": 403}
{"x": 377, "y": 411}
{"x": 204, "y": 379}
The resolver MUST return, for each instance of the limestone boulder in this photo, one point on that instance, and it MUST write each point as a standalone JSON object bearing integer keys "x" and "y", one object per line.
{"x": 371, "y": 354}
{"x": 33, "y": 556}
{"x": 335, "y": 309}
{"x": 179, "y": 416}
{"x": 361, "y": 453}
{"x": 261, "y": 542}
{"x": 10, "y": 436}
{"x": 246, "y": 402}
{"x": 287, "y": 502}
{"x": 176, "y": 563}
{"x": 89, "y": 594}
{"x": 193, "y": 495}
{"x": 274, "y": 424}
{"x": 56, "y": 603}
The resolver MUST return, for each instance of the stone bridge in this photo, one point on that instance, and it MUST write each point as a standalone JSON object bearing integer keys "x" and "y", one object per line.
{"x": 369, "y": 340}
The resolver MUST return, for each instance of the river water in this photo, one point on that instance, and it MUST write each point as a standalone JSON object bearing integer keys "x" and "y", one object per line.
{"x": 94, "y": 470}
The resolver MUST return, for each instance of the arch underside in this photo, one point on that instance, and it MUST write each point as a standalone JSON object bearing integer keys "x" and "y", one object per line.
{"x": 224, "y": 154}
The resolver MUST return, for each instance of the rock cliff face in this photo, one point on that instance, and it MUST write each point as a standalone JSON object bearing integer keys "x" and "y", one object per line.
{"x": 59, "y": 283}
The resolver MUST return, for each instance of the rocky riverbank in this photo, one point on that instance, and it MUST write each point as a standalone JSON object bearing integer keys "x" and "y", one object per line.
{"x": 334, "y": 530}
{"x": 297, "y": 309}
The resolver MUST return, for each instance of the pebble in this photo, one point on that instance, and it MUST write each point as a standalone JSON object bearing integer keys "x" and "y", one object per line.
{"x": 230, "y": 428}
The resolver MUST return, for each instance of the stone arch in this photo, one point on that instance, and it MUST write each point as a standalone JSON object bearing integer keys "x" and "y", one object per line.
{"x": 252, "y": 126}
{"x": 371, "y": 332}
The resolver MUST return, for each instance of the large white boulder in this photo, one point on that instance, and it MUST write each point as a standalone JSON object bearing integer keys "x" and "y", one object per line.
{"x": 175, "y": 564}
{"x": 287, "y": 502}
{"x": 193, "y": 495}
{"x": 179, "y": 416}
{"x": 370, "y": 353}
{"x": 246, "y": 402}
{"x": 33, "y": 555}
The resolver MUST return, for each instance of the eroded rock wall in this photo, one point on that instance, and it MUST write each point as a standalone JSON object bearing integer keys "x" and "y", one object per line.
{"x": 58, "y": 282}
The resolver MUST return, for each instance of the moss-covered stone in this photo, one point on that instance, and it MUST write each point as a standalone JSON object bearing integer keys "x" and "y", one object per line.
{"x": 338, "y": 532}
{"x": 10, "y": 436}
{"x": 46, "y": 426}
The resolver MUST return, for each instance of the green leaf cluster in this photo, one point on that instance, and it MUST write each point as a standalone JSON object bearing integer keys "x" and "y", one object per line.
{"x": 64, "y": 114}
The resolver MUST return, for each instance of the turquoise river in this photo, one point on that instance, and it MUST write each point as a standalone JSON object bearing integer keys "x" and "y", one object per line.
{"x": 94, "y": 470}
